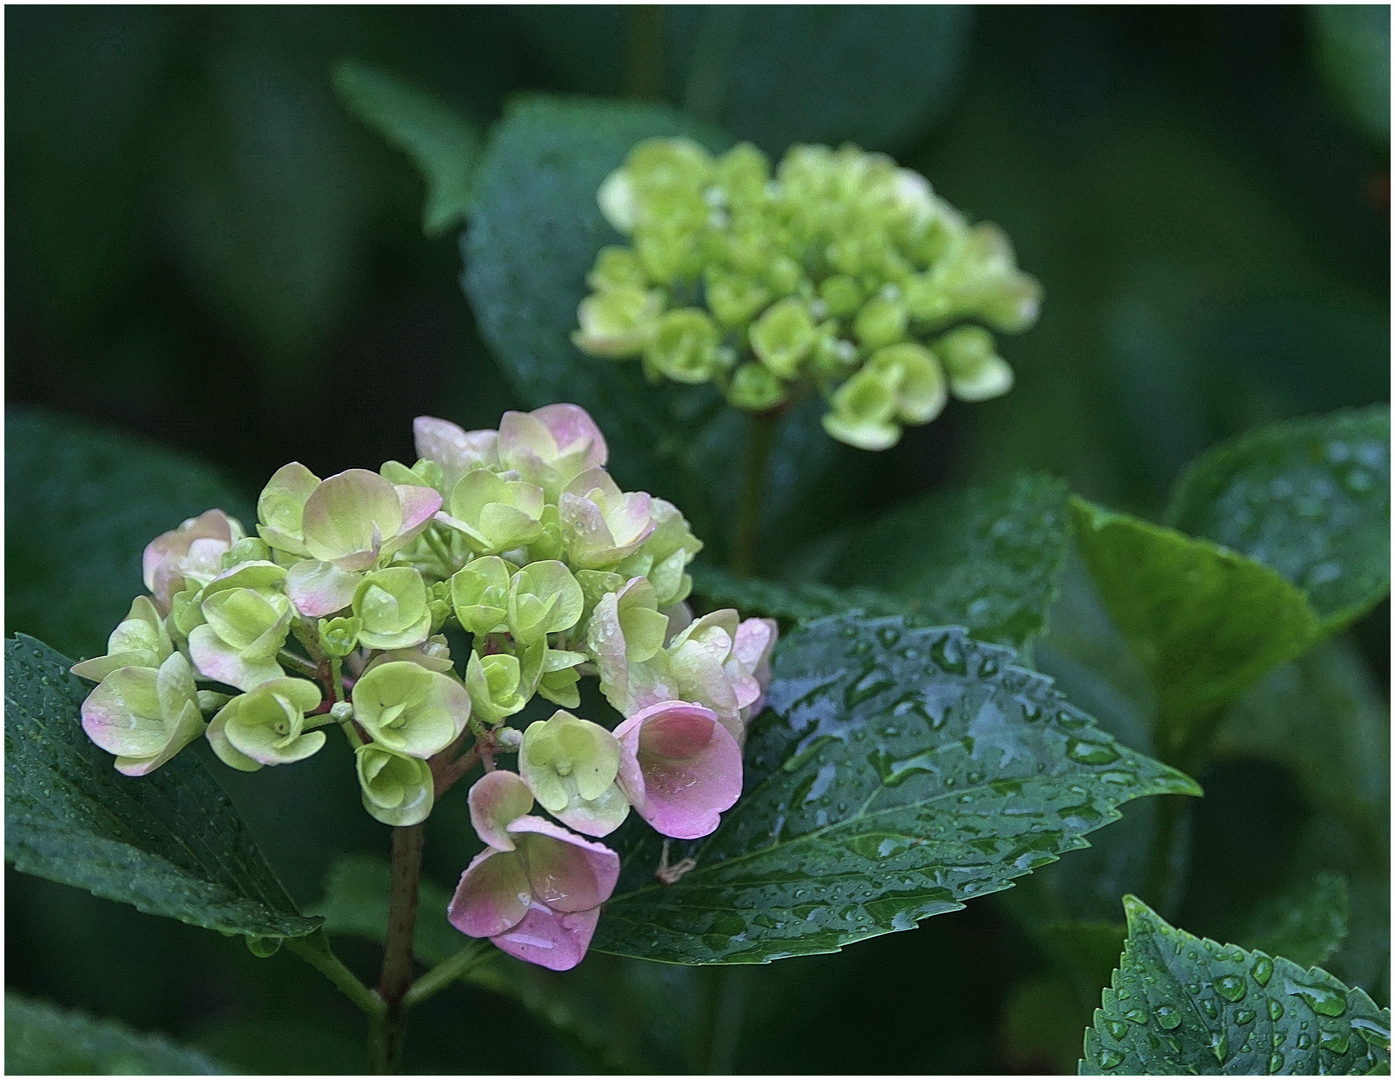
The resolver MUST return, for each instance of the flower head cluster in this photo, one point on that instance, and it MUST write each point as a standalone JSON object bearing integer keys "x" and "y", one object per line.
{"x": 331, "y": 614}
{"x": 838, "y": 271}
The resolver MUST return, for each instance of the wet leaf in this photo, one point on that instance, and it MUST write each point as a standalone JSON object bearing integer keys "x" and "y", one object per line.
{"x": 1180, "y": 1004}
{"x": 170, "y": 843}
{"x": 42, "y": 1039}
{"x": 1307, "y": 923}
{"x": 898, "y": 773}
{"x": 1205, "y": 621}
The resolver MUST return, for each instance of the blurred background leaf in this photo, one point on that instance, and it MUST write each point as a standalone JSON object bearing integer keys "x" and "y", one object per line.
{"x": 1208, "y": 218}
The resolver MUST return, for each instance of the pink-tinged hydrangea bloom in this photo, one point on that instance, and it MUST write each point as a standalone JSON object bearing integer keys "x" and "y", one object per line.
{"x": 144, "y": 716}
{"x": 454, "y": 449}
{"x": 194, "y": 551}
{"x": 755, "y": 641}
{"x": 707, "y": 667}
{"x": 570, "y": 766}
{"x": 680, "y": 768}
{"x": 600, "y": 523}
{"x": 497, "y": 800}
{"x": 551, "y": 446}
{"x": 626, "y": 635}
{"x": 541, "y": 901}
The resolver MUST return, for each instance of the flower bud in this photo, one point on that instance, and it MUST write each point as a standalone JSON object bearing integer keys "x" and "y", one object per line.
{"x": 913, "y": 375}
{"x": 863, "y": 413}
{"x": 684, "y": 347}
{"x": 617, "y": 323}
{"x": 755, "y": 388}
{"x": 144, "y": 716}
{"x": 544, "y": 598}
{"x": 681, "y": 768}
{"x": 409, "y": 709}
{"x": 396, "y": 789}
{"x": 339, "y": 637}
{"x": 281, "y": 508}
{"x": 841, "y": 295}
{"x": 500, "y": 684}
{"x": 882, "y": 321}
{"x": 976, "y": 371}
{"x": 783, "y": 337}
{"x": 341, "y": 712}
{"x": 480, "y": 594}
{"x": 601, "y": 524}
{"x": 140, "y": 640}
{"x": 723, "y": 664}
{"x": 266, "y": 725}
{"x": 392, "y": 607}
{"x": 570, "y": 765}
{"x": 541, "y": 901}
{"x": 616, "y": 268}
{"x": 494, "y": 514}
{"x": 238, "y": 642}
{"x": 735, "y": 299}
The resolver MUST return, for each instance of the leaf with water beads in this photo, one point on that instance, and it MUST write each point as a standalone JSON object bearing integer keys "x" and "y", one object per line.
{"x": 1181, "y": 1004}
{"x": 899, "y": 772}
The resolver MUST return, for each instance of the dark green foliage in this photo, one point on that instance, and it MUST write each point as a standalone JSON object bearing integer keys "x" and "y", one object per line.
{"x": 81, "y": 505}
{"x": 1309, "y": 498}
{"x": 1306, "y": 923}
{"x": 169, "y": 843}
{"x": 1180, "y": 1004}
{"x": 42, "y": 1039}
{"x": 898, "y": 773}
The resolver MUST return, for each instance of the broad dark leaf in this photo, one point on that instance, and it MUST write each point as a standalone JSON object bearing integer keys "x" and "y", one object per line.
{"x": 1181, "y": 1004}
{"x": 899, "y": 772}
{"x": 42, "y": 1039}
{"x": 170, "y": 843}
{"x": 81, "y": 506}
{"x": 1307, "y": 923}
{"x": 534, "y": 232}
{"x": 1206, "y": 622}
{"x": 442, "y": 144}
{"x": 986, "y": 558}
{"x": 801, "y": 601}
{"x": 1309, "y": 498}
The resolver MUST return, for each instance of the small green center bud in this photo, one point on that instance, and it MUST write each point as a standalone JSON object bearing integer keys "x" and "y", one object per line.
{"x": 841, "y": 295}
{"x": 248, "y": 549}
{"x": 500, "y": 684}
{"x": 341, "y": 712}
{"x": 479, "y": 592}
{"x": 339, "y": 637}
{"x": 976, "y": 371}
{"x": 755, "y": 387}
{"x": 616, "y": 268}
{"x": 684, "y": 347}
{"x": 617, "y": 322}
{"x": 734, "y": 298}
{"x": 396, "y": 789}
{"x": 392, "y": 606}
{"x": 913, "y": 375}
{"x": 882, "y": 321}
{"x": 544, "y": 598}
{"x": 783, "y": 337}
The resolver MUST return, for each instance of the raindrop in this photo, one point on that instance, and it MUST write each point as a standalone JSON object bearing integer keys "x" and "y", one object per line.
{"x": 1220, "y": 1046}
{"x": 1230, "y": 987}
{"x": 1276, "y": 1062}
{"x": 1335, "y": 1041}
{"x": 888, "y": 636}
{"x": 1263, "y": 968}
{"x": 1117, "y": 1028}
{"x": 1168, "y": 1016}
{"x": 1305, "y": 1041}
{"x": 1208, "y": 1006}
{"x": 1276, "y": 1008}
{"x": 1323, "y": 1000}
{"x": 1091, "y": 753}
{"x": 1137, "y": 1015}
{"x": 1244, "y": 1016}
{"x": 1110, "y": 1059}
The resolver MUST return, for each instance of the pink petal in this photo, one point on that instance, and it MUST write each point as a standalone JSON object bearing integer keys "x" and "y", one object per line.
{"x": 565, "y": 872}
{"x": 570, "y": 424}
{"x": 320, "y": 588}
{"x": 214, "y": 524}
{"x": 453, "y": 448}
{"x": 498, "y": 799}
{"x": 557, "y": 941}
{"x": 418, "y": 505}
{"x": 690, "y": 763}
{"x": 492, "y": 896}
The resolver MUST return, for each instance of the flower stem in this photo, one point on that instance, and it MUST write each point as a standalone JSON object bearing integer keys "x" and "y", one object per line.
{"x": 448, "y": 970}
{"x": 386, "y": 1033}
{"x": 760, "y": 440}
{"x": 315, "y": 951}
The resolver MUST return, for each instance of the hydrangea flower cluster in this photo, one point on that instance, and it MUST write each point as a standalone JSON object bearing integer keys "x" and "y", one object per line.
{"x": 841, "y": 272}
{"x": 331, "y": 615}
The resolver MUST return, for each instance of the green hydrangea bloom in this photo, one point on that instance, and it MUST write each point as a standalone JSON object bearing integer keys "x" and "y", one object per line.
{"x": 775, "y": 284}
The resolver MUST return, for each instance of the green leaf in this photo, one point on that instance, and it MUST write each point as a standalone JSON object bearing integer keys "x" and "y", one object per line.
{"x": 534, "y": 232}
{"x": 1309, "y": 498}
{"x": 1306, "y": 923}
{"x": 800, "y": 601}
{"x": 170, "y": 843}
{"x": 41, "y": 1039}
{"x": 899, "y": 772}
{"x": 1323, "y": 718}
{"x": 1181, "y": 1004}
{"x": 441, "y": 143}
{"x": 1206, "y": 622}
{"x": 355, "y": 904}
{"x": 985, "y": 558}
{"x": 81, "y": 505}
